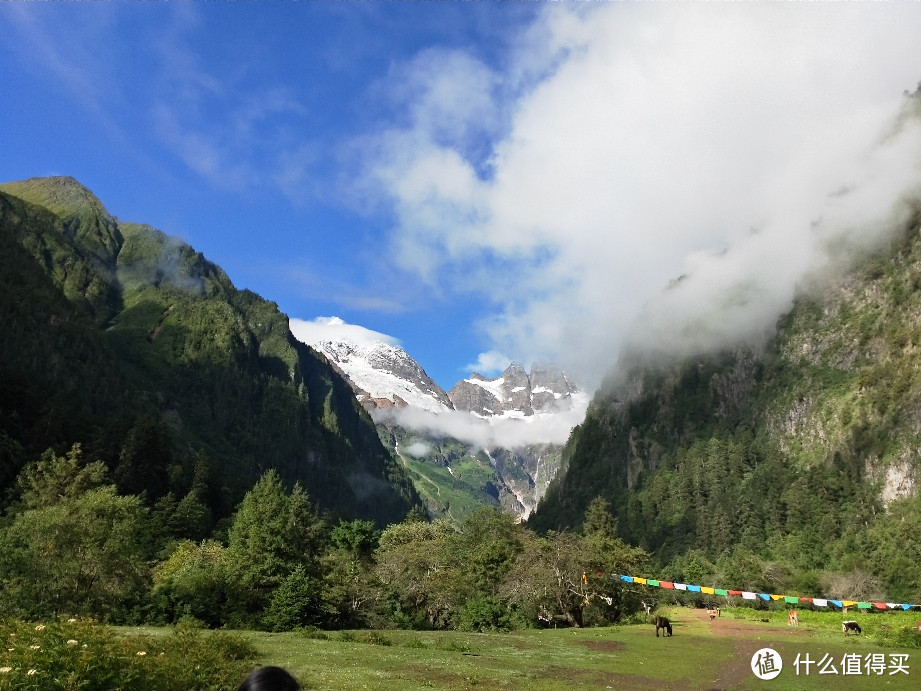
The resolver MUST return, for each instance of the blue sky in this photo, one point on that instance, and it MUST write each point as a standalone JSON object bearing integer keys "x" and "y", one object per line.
{"x": 483, "y": 181}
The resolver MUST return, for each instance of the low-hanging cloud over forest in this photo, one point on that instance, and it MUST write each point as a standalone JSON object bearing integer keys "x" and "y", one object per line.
{"x": 649, "y": 174}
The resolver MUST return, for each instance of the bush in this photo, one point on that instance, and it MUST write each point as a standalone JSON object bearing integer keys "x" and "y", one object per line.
{"x": 901, "y": 637}
{"x": 69, "y": 654}
{"x": 484, "y": 614}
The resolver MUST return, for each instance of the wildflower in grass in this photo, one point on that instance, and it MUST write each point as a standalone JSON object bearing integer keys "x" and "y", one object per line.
{"x": 72, "y": 642}
{"x": 141, "y": 653}
{"x": 40, "y": 627}
{"x": 5, "y": 670}
{"x": 32, "y": 672}
{"x": 71, "y": 620}
{"x": 35, "y": 647}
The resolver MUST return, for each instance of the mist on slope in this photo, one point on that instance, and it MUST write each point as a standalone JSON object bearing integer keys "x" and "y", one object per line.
{"x": 487, "y": 433}
{"x": 658, "y": 176}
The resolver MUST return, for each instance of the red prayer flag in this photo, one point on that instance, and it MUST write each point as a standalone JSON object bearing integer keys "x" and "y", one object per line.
{"x": 735, "y": 592}
{"x": 667, "y": 584}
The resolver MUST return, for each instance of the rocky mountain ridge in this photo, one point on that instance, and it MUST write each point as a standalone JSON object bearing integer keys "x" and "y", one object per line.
{"x": 457, "y": 441}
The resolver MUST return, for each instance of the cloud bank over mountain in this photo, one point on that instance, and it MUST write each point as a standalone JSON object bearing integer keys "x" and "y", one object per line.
{"x": 622, "y": 147}
{"x": 335, "y": 329}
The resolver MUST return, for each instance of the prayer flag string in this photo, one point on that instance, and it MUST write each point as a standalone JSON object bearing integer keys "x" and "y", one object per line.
{"x": 766, "y": 597}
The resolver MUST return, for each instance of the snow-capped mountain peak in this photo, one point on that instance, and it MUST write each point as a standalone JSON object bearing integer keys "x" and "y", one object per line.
{"x": 383, "y": 375}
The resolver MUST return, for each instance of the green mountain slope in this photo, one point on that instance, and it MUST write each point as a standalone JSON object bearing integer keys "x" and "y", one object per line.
{"x": 130, "y": 342}
{"x": 801, "y": 457}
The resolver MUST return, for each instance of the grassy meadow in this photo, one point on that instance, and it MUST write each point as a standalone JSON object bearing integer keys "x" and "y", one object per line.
{"x": 701, "y": 655}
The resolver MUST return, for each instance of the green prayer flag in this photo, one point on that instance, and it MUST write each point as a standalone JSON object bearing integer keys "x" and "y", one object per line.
{"x": 720, "y": 591}
{"x": 864, "y": 605}
{"x": 651, "y": 582}
{"x": 791, "y": 600}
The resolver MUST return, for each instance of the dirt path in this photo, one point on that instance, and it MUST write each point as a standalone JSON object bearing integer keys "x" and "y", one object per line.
{"x": 731, "y": 674}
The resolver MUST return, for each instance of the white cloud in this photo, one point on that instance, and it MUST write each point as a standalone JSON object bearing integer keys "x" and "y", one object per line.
{"x": 633, "y": 144}
{"x": 489, "y": 433}
{"x": 417, "y": 449}
{"x": 334, "y": 329}
{"x": 489, "y": 363}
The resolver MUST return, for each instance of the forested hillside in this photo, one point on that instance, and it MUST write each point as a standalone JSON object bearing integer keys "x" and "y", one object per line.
{"x": 131, "y": 343}
{"x": 789, "y": 465}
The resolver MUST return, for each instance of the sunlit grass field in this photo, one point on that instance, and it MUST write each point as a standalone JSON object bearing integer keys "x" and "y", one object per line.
{"x": 700, "y": 655}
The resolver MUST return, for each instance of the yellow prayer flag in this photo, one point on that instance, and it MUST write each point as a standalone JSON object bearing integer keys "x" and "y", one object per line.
{"x": 708, "y": 591}
{"x": 639, "y": 580}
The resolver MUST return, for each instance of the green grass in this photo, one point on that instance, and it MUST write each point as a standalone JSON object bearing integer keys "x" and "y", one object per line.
{"x": 620, "y": 657}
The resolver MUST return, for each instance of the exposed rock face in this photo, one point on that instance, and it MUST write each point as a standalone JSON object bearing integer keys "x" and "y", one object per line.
{"x": 389, "y": 383}
{"x": 515, "y": 393}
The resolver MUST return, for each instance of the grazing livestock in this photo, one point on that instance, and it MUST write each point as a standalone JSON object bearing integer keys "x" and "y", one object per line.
{"x": 792, "y": 618}
{"x": 664, "y": 624}
{"x": 713, "y": 613}
{"x": 647, "y": 608}
{"x": 848, "y": 626}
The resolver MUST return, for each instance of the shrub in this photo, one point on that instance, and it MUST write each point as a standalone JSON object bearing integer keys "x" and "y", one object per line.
{"x": 901, "y": 637}
{"x": 484, "y": 614}
{"x": 66, "y": 655}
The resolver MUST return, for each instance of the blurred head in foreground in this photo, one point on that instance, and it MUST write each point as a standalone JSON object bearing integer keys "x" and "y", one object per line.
{"x": 269, "y": 679}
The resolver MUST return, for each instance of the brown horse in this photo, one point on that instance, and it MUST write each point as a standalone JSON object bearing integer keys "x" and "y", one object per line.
{"x": 664, "y": 624}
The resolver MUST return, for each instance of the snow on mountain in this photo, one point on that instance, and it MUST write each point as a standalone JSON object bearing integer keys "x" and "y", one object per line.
{"x": 384, "y": 375}
{"x": 517, "y": 394}
{"x": 512, "y": 427}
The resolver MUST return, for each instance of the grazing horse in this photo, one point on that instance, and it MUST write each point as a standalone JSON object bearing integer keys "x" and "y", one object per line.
{"x": 792, "y": 618}
{"x": 664, "y": 624}
{"x": 848, "y": 626}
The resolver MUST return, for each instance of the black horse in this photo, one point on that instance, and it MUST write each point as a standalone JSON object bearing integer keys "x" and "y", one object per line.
{"x": 663, "y": 623}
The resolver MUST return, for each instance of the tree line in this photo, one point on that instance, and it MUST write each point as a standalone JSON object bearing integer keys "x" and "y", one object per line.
{"x": 72, "y": 543}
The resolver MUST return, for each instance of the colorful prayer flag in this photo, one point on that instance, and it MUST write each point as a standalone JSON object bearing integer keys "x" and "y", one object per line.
{"x": 708, "y": 591}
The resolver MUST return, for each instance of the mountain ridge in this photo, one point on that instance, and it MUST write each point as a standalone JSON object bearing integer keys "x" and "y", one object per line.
{"x": 799, "y": 457}
{"x": 112, "y": 328}
{"x": 461, "y": 438}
